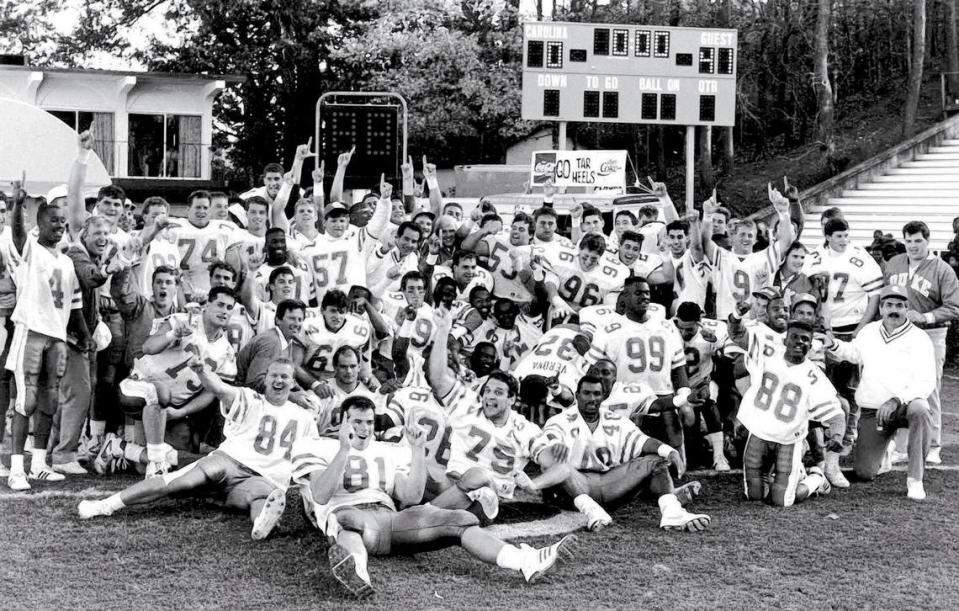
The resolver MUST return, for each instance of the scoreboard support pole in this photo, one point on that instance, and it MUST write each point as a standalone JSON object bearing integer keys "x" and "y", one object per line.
{"x": 690, "y": 166}
{"x": 562, "y": 136}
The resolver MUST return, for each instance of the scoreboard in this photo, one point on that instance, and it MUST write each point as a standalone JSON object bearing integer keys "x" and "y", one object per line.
{"x": 618, "y": 73}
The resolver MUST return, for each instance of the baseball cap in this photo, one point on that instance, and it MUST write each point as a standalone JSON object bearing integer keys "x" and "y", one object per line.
{"x": 805, "y": 298}
{"x": 425, "y": 213}
{"x": 768, "y": 292}
{"x": 893, "y": 291}
{"x": 335, "y": 208}
{"x": 56, "y": 192}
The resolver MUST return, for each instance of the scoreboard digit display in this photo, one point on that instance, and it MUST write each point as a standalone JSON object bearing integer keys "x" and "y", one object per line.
{"x": 619, "y": 73}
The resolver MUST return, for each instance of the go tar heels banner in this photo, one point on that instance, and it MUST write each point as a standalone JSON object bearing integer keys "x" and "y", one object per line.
{"x": 600, "y": 169}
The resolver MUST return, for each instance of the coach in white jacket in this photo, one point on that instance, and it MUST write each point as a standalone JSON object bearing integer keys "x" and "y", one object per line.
{"x": 898, "y": 375}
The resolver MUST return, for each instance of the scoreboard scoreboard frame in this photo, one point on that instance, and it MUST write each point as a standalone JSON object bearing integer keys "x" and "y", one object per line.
{"x": 626, "y": 73}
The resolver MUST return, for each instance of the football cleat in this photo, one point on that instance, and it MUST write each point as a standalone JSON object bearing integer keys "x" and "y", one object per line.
{"x": 933, "y": 457}
{"x": 683, "y": 520}
{"x": 93, "y": 509}
{"x": 18, "y": 481}
{"x": 540, "y": 561}
{"x": 688, "y": 492}
{"x": 110, "y": 450}
{"x": 156, "y": 469}
{"x": 343, "y": 567}
{"x": 270, "y": 515}
{"x": 914, "y": 489}
{"x": 44, "y": 473}
{"x": 721, "y": 465}
{"x": 488, "y": 500}
{"x": 88, "y": 448}
{"x": 70, "y": 468}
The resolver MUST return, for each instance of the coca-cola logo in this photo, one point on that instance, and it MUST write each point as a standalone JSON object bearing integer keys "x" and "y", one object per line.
{"x": 609, "y": 167}
{"x": 544, "y": 167}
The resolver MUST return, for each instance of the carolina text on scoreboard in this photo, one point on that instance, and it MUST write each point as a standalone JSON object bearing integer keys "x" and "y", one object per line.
{"x": 619, "y": 73}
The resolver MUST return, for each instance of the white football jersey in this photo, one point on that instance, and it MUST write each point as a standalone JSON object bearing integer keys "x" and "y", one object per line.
{"x": 199, "y": 247}
{"x": 690, "y": 279}
{"x": 481, "y": 277}
{"x": 593, "y": 318}
{"x": 581, "y": 288}
{"x": 500, "y": 451}
{"x": 424, "y": 325}
{"x": 511, "y": 344}
{"x": 643, "y": 352}
{"x": 549, "y": 251}
{"x": 368, "y": 478}
{"x": 171, "y": 367}
{"x": 711, "y": 339}
{"x": 417, "y": 403}
{"x": 854, "y": 277}
{"x": 242, "y": 327}
{"x": 47, "y": 290}
{"x": 554, "y": 355}
{"x": 322, "y": 342}
{"x": 162, "y": 250}
{"x": 329, "y": 415}
{"x": 260, "y": 435}
{"x": 633, "y": 399}
{"x": 337, "y": 263}
{"x": 506, "y": 280}
{"x": 736, "y": 277}
{"x": 782, "y": 398}
{"x": 614, "y": 442}
{"x": 301, "y": 275}
{"x": 645, "y": 264}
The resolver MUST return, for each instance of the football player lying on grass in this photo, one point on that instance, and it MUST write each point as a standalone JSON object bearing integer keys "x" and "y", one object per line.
{"x": 352, "y": 488}
{"x": 252, "y": 466}
{"x": 596, "y": 457}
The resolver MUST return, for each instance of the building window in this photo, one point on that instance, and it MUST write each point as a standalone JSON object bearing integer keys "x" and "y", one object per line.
{"x": 100, "y": 125}
{"x": 164, "y": 146}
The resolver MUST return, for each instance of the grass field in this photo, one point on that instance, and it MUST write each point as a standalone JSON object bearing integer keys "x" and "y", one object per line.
{"x": 866, "y": 547}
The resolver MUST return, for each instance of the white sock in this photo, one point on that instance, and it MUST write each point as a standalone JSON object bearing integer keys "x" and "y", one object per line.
{"x": 171, "y": 457}
{"x": 716, "y": 439}
{"x": 361, "y": 568}
{"x": 16, "y": 464}
{"x": 39, "y": 460}
{"x": 668, "y": 503}
{"x": 98, "y": 428}
{"x": 155, "y": 452}
{"x": 585, "y": 503}
{"x": 114, "y": 502}
{"x": 510, "y": 557}
{"x": 133, "y": 452}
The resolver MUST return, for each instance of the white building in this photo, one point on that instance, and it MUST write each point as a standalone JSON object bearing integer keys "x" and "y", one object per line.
{"x": 147, "y": 126}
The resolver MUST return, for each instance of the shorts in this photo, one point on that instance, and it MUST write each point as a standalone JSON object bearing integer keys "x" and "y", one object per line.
{"x": 37, "y": 362}
{"x": 417, "y": 528}
{"x": 135, "y": 395}
{"x": 784, "y": 460}
{"x": 241, "y": 484}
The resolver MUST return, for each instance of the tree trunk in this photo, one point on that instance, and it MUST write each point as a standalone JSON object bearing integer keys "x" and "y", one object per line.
{"x": 539, "y": 10}
{"x": 729, "y": 148}
{"x": 952, "y": 49}
{"x": 706, "y": 176}
{"x": 825, "y": 119}
{"x": 917, "y": 57}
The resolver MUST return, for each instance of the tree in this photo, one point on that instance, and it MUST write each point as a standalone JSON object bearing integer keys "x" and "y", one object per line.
{"x": 952, "y": 47}
{"x": 825, "y": 119}
{"x": 916, "y": 59}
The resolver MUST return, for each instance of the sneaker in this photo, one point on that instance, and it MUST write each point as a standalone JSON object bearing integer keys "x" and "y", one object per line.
{"x": 683, "y": 520}
{"x": 488, "y": 500}
{"x": 156, "y": 469}
{"x": 110, "y": 450}
{"x": 597, "y": 519}
{"x": 914, "y": 489}
{"x": 343, "y": 567}
{"x": 271, "y": 513}
{"x": 18, "y": 481}
{"x": 721, "y": 465}
{"x": 70, "y": 468}
{"x": 46, "y": 474}
{"x": 540, "y": 561}
{"x": 833, "y": 473}
{"x": 933, "y": 457}
{"x": 688, "y": 492}
{"x": 93, "y": 509}
{"x": 88, "y": 448}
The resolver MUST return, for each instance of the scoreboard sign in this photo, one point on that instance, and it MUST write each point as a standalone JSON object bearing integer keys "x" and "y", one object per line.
{"x": 628, "y": 74}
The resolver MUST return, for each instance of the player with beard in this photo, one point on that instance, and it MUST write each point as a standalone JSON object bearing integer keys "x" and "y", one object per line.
{"x": 352, "y": 487}
{"x": 162, "y": 387}
{"x": 277, "y": 255}
{"x": 651, "y": 352}
{"x": 252, "y": 467}
{"x": 785, "y": 392}
{"x": 599, "y": 458}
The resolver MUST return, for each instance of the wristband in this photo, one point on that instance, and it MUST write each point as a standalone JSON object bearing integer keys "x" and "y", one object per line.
{"x": 406, "y": 329}
{"x": 315, "y": 384}
{"x": 930, "y": 319}
{"x": 681, "y": 398}
{"x": 665, "y": 450}
{"x": 432, "y": 258}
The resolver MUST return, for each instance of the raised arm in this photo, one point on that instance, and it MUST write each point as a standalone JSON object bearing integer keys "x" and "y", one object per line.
{"x": 76, "y": 209}
{"x": 376, "y": 228}
{"x": 669, "y": 208}
{"x": 796, "y": 213}
{"x": 19, "y": 228}
{"x": 781, "y": 204}
{"x": 440, "y": 375}
{"x": 695, "y": 236}
{"x": 342, "y": 162}
{"x": 710, "y": 206}
{"x": 409, "y": 186}
{"x": 436, "y": 197}
{"x": 323, "y": 484}
{"x": 409, "y": 488}
{"x": 212, "y": 384}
